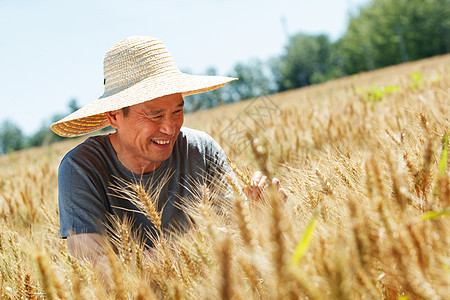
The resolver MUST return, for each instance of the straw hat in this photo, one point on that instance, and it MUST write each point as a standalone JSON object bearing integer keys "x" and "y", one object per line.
{"x": 137, "y": 69}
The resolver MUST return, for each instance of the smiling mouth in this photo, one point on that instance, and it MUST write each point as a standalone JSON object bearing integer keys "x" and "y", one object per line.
{"x": 161, "y": 142}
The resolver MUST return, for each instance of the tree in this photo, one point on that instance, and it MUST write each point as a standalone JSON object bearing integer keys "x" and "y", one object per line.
{"x": 45, "y": 136}
{"x": 389, "y": 32}
{"x": 206, "y": 100}
{"x": 254, "y": 80}
{"x": 73, "y": 105}
{"x": 307, "y": 59}
{"x": 11, "y": 137}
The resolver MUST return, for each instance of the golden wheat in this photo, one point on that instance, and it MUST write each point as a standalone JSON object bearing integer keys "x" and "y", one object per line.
{"x": 373, "y": 173}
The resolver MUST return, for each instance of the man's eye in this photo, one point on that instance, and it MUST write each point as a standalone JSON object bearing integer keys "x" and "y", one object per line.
{"x": 156, "y": 117}
{"x": 178, "y": 111}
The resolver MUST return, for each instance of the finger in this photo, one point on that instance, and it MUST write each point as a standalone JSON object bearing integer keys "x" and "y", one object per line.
{"x": 276, "y": 183}
{"x": 247, "y": 190}
{"x": 256, "y": 194}
{"x": 283, "y": 194}
{"x": 256, "y": 178}
{"x": 262, "y": 184}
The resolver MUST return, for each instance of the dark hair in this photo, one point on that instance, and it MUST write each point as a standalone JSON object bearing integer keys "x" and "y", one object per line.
{"x": 125, "y": 111}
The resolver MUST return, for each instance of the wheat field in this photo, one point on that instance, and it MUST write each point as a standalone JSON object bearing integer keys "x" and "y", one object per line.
{"x": 364, "y": 160}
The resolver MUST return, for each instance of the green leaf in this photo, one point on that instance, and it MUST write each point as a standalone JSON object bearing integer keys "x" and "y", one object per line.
{"x": 416, "y": 77}
{"x": 446, "y": 268}
{"x": 392, "y": 89}
{"x": 305, "y": 241}
{"x": 443, "y": 161}
{"x": 376, "y": 93}
{"x": 435, "y": 214}
{"x": 402, "y": 298}
{"x": 417, "y": 80}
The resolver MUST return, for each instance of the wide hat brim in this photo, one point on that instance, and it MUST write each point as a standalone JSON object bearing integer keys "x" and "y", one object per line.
{"x": 136, "y": 69}
{"x": 93, "y": 116}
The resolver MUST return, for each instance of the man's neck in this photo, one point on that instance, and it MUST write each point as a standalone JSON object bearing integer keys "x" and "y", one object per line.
{"x": 132, "y": 163}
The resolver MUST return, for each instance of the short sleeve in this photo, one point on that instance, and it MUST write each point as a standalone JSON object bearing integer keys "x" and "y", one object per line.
{"x": 218, "y": 168}
{"x": 81, "y": 201}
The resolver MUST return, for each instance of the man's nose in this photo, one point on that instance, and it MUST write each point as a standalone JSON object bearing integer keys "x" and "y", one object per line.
{"x": 167, "y": 126}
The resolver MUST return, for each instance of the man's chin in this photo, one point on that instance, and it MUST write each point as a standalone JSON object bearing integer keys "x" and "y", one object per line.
{"x": 162, "y": 156}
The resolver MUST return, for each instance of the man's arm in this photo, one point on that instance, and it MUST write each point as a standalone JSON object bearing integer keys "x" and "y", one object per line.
{"x": 88, "y": 246}
{"x": 92, "y": 247}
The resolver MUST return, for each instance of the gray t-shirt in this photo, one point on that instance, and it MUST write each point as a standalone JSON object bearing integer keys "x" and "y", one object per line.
{"x": 89, "y": 171}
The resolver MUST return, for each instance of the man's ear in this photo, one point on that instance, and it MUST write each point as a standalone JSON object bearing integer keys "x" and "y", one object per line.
{"x": 113, "y": 117}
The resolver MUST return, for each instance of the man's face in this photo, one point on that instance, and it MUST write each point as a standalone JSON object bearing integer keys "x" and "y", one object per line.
{"x": 146, "y": 136}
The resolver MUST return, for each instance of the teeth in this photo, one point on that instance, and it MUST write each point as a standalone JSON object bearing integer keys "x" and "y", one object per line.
{"x": 162, "y": 142}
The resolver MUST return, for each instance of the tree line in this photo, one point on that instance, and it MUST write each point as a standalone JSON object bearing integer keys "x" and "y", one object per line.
{"x": 12, "y": 138}
{"x": 382, "y": 33}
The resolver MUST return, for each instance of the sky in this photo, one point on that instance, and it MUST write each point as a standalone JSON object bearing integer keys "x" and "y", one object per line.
{"x": 51, "y": 51}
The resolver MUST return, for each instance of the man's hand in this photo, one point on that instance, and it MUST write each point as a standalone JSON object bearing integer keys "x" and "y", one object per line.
{"x": 92, "y": 247}
{"x": 258, "y": 184}
{"x": 89, "y": 246}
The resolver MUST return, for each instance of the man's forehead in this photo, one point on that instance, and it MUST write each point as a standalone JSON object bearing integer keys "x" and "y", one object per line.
{"x": 161, "y": 104}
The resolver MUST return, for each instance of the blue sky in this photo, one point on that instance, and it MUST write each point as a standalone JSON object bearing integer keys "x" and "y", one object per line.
{"x": 52, "y": 50}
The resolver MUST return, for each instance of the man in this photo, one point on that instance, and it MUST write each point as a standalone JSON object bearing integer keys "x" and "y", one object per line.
{"x": 143, "y": 102}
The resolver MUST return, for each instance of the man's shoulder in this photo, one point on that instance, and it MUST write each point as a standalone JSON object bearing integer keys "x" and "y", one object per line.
{"x": 196, "y": 138}
{"x": 90, "y": 149}
{"x": 196, "y": 143}
{"x": 190, "y": 132}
